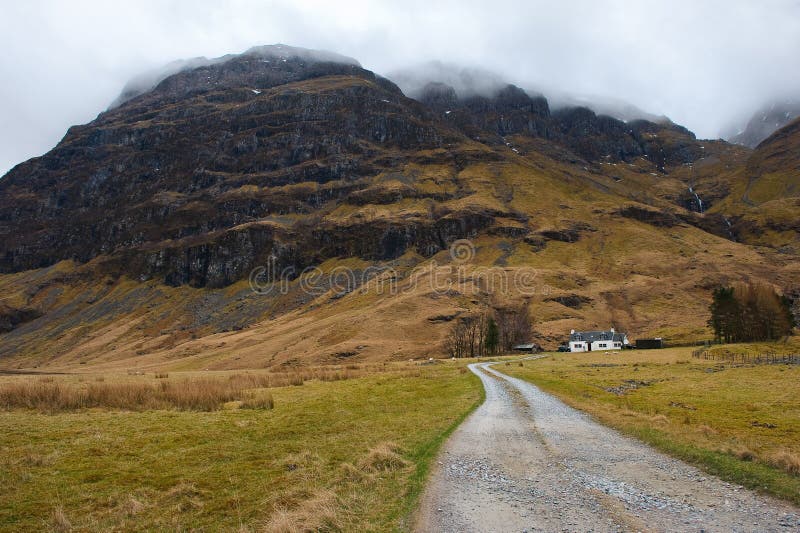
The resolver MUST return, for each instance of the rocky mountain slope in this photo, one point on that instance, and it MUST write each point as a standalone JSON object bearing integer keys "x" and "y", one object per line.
{"x": 766, "y": 121}
{"x": 133, "y": 240}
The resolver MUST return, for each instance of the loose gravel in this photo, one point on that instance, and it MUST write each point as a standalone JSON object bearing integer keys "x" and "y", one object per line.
{"x": 525, "y": 461}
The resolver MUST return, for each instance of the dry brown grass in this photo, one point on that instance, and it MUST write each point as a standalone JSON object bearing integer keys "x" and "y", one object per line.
{"x": 258, "y": 400}
{"x": 384, "y": 457}
{"x": 320, "y": 512}
{"x": 252, "y": 381}
{"x": 317, "y": 509}
{"x": 707, "y": 430}
{"x": 305, "y": 467}
{"x": 185, "y": 497}
{"x": 659, "y": 419}
{"x": 785, "y": 460}
{"x": 353, "y": 474}
{"x": 32, "y": 458}
{"x": 744, "y": 453}
{"x": 200, "y": 394}
{"x": 131, "y": 506}
{"x": 59, "y": 521}
{"x": 191, "y": 393}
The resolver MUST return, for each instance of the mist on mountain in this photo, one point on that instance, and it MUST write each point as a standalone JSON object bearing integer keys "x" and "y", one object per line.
{"x": 703, "y": 65}
{"x": 764, "y": 122}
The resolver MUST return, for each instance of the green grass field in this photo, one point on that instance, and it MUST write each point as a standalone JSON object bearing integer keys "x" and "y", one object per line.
{"x": 740, "y": 422}
{"x": 350, "y": 455}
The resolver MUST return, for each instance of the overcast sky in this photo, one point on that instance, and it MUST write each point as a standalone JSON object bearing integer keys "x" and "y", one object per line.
{"x": 703, "y": 63}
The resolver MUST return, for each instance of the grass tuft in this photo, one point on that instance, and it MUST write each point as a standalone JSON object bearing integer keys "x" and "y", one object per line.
{"x": 59, "y": 521}
{"x": 385, "y": 457}
{"x": 131, "y": 506}
{"x": 258, "y": 400}
{"x": 320, "y": 512}
{"x": 785, "y": 460}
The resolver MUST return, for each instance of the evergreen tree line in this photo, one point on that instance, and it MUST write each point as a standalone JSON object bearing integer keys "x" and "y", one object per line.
{"x": 750, "y": 312}
{"x": 489, "y": 333}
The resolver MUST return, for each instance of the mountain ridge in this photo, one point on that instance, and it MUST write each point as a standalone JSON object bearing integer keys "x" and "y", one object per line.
{"x": 178, "y": 194}
{"x": 766, "y": 121}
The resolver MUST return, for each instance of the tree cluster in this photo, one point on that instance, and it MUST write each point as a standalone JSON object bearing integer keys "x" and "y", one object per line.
{"x": 489, "y": 333}
{"x": 750, "y": 312}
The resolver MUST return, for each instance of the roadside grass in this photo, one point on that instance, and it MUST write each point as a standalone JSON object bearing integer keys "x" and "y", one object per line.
{"x": 739, "y": 422}
{"x": 426, "y": 454}
{"x": 351, "y": 454}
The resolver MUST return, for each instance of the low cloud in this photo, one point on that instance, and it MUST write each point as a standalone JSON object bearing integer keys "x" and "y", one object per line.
{"x": 705, "y": 65}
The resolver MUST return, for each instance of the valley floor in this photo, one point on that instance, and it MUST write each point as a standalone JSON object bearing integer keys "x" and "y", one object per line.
{"x": 349, "y": 455}
{"x": 348, "y": 447}
{"x": 525, "y": 461}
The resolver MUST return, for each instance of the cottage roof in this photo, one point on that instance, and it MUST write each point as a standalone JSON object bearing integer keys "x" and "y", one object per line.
{"x": 592, "y": 336}
{"x": 526, "y": 346}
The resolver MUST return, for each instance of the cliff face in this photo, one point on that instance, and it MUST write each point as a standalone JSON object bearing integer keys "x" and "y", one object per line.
{"x": 189, "y": 180}
{"x": 591, "y": 137}
{"x": 205, "y": 151}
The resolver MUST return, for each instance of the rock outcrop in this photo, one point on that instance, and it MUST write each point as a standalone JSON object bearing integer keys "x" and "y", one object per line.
{"x": 210, "y": 167}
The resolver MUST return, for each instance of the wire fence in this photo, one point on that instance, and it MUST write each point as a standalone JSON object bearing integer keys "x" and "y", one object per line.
{"x": 766, "y": 358}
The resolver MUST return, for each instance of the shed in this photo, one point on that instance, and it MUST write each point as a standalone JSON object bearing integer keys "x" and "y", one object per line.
{"x": 530, "y": 347}
{"x": 649, "y": 344}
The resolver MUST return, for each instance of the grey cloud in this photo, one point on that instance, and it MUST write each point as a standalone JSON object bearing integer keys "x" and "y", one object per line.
{"x": 706, "y": 64}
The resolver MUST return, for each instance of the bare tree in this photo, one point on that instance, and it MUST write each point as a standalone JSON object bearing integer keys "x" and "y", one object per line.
{"x": 471, "y": 325}
{"x": 514, "y": 323}
{"x": 481, "y": 324}
{"x": 456, "y": 340}
{"x": 467, "y": 336}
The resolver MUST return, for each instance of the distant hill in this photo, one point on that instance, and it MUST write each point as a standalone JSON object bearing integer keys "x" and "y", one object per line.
{"x": 766, "y": 121}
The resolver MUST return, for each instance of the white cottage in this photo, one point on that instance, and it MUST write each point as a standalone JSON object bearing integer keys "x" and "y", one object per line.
{"x": 592, "y": 341}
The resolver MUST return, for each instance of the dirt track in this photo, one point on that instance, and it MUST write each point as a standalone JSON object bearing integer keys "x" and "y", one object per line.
{"x": 524, "y": 461}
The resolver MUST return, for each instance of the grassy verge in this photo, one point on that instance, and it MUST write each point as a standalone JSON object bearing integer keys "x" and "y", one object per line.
{"x": 339, "y": 455}
{"x": 739, "y": 422}
{"x": 424, "y": 457}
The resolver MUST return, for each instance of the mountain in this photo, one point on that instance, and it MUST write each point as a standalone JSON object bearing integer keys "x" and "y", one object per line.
{"x": 139, "y": 239}
{"x": 469, "y": 81}
{"x": 764, "y": 200}
{"x": 228, "y": 150}
{"x": 765, "y": 122}
{"x": 602, "y": 105}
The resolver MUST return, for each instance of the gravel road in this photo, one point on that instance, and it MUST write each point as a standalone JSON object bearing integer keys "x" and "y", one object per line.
{"x": 525, "y": 461}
